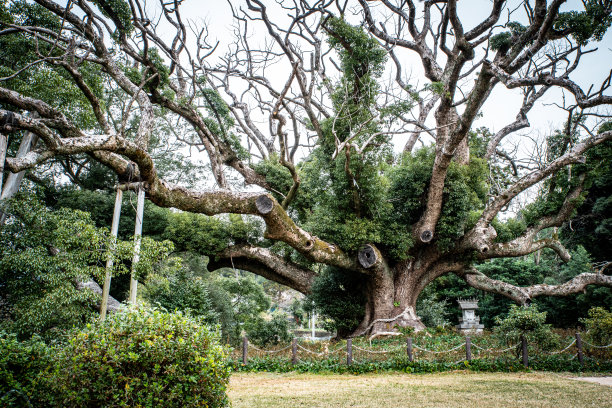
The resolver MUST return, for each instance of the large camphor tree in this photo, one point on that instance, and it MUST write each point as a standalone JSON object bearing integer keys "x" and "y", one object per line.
{"x": 311, "y": 122}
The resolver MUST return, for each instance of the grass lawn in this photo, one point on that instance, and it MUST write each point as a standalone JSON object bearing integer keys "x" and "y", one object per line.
{"x": 458, "y": 389}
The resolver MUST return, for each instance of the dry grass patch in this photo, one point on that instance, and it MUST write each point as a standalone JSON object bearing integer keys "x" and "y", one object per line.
{"x": 458, "y": 389}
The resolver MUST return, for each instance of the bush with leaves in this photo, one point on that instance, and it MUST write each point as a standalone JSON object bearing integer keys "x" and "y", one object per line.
{"x": 526, "y": 321}
{"x": 336, "y": 297}
{"x": 44, "y": 254}
{"x": 141, "y": 357}
{"x": 599, "y": 330}
{"x": 264, "y": 332}
{"x": 22, "y": 365}
{"x": 431, "y": 310}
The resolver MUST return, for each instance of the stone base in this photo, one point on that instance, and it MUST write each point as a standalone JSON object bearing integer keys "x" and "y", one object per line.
{"x": 473, "y": 328}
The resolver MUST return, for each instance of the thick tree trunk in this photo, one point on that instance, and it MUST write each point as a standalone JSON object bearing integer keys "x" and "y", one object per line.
{"x": 392, "y": 293}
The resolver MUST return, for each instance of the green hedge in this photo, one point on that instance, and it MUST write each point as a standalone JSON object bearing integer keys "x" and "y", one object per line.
{"x": 505, "y": 364}
{"x": 139, "y": 357}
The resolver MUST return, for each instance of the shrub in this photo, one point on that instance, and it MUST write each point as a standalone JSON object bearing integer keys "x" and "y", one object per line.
{"x": 264, "y": 333}
{"x": 529, "y": 322}
{"x": 141, "y": 357}
{"x": 599, "y": 331}
{"x": 599, "y": 326}
{"x": 21, "y": 364}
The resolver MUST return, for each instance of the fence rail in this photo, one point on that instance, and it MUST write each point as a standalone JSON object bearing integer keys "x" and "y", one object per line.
{"x": 411, "y": 350}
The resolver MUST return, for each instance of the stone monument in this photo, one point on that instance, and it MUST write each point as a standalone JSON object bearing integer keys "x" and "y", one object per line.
{"x": 469, "y": 322}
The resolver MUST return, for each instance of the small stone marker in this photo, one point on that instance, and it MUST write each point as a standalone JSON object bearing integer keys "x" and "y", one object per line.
{"x": 469, "y": 322}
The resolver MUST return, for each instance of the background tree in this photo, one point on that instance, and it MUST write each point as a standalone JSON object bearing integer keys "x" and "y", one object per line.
{"x": 318, "y": 144}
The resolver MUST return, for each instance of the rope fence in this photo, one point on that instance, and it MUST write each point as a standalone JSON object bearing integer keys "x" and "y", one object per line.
{"x": 575, "y": 348}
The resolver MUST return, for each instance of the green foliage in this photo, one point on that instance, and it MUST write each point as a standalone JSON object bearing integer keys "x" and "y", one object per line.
{"x": 178, "y": 289}
{"x": 337, "y": 297}
{"x": 562, "y": 363}
{"x": 590, "y": 24}
{"x": 505, "y": 39}
{"x": 141, "y": 357}
{"x": 360, "y": 54}
{"x": 119, "y": 11}
{"x": 44, "y": 81}
{"x": 508, "y": 230}
{"x": 526, "y": 321}
{"x": 21, "y": 366}
{"x": 431, "y": 310}
{"x": 268, "y": 332}
{"x": 100, "y": 205}
{"x": 277, "y": 176}
{"x": 465, "y": 190}
{"x": 209, "y": 235}
{"x": 599, "y": 326}
{"x": 592, "y": 225}
{"x": 38, "y": 287}
{"x": 150, "y": 79}
{"x": 45, "y": 253}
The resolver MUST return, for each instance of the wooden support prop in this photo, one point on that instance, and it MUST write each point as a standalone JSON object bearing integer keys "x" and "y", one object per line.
{"x": 349, "y": 351}
{"x": 245, "y": 349}
{"x": 579, "y": 346}
{"x": 137, "y": 240}
{"x": 294, "y": 358}
{"x": 409, "y": 349}
{"x": 468, "y": 349}
{"x": 111, "y": 254}
{"x": 524, "y": 349}
{"x": 13, "y": 181}
{"x": 367, "y": 256}
{"x": 3, "y": 148}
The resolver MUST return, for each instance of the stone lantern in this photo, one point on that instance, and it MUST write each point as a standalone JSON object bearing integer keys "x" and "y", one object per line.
{"x": 469, "y": 321}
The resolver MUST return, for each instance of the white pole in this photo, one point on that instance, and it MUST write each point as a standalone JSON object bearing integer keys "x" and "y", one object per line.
{"x": 110, "y": 260}
{"x": 313, "y": 322}
{"x": 137, "y": 239}
{"x": 3, "y": 147}
{"x": 13, "y": 181}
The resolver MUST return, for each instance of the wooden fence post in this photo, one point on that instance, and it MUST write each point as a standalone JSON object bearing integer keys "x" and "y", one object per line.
{"x": 468, "y": 349}
{"x": 409, "y": 349}
{"x": 579, "y": 345}
{"x": 524, "y": 348}
{"x": 349, "y": 351}
{"x": 294, "y": 351}
{"x": 245, "y": 347}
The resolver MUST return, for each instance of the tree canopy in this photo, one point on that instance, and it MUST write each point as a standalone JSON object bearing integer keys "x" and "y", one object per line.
{"x": 334, "y": 163}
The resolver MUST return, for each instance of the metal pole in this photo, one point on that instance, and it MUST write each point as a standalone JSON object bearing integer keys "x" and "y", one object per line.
{"x": 111, "y": 254}
{"x": 137, "y": 240}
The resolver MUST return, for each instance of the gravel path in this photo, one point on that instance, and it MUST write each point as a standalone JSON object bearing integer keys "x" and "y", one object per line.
{"x": 599, "y": 380}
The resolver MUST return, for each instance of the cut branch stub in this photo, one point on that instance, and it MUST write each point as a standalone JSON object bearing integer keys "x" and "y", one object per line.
{"x": 264, "y": 204}
{"x": 426, "y": 236}
{"x": 367, "y": 256}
